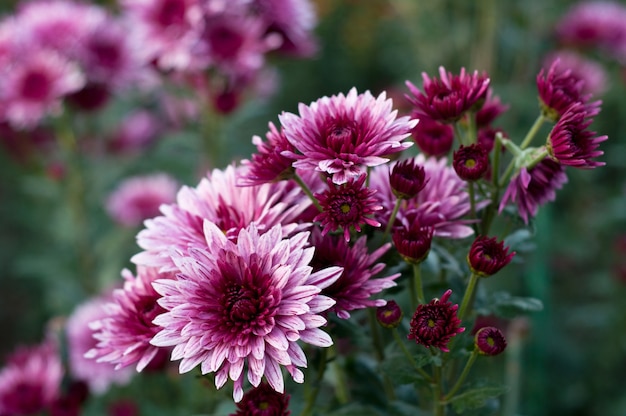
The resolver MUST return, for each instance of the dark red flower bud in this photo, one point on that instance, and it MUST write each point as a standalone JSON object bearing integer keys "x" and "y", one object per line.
{"x": 390, "y": 315}
{"x": 489, "y": 341}
{"x": 407, "y": 179}
{"x": 487, "y": 256}
{"x": 471, "y": 162}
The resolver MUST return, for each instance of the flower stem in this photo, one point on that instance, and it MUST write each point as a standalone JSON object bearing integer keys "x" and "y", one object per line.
{"x": 405, "y": 351}
{"x": 312, "y": 396}
{"x": 471, "y": 127}
{"x": 417, "y": 278}
{"x": 392, "y": 218}
{"x": 472, "y": 196}
{"x": 307, "y": 191}
{"x": 464, "y": 373}
{"x": 458, "y": 133}
{"x": 438, "y": 405}
{"x": 376, "y": 340}
{"x": 469, "y": 293}
{"x": 532, "y": 132}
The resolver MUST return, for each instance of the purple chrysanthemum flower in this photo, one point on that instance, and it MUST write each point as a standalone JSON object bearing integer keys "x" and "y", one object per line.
{"x": 413, "y": 242}
{"x": 487, "y": 256}
{"x": 470, "y": 162}
{"x": 80, "y": 340}
{"x": 342, "y": 135}
{"x": 441, "y": 204}
{"x": 356, "y": 285}
{"x": 435, "y": 323}
{"x": 533, "y": 187}
{"x": 294, "y": 20}
{"x": 139, "y": 198}
{"x": 217, "y": 198}
{"x": 125, "y": 332}
{"x": 571, "y": 144}
{"x": 31, "y": 380}
{"x": 269, "y": 164}
{"x": 390, "y": 315}
{"x": 491, "y": 109}
{"x": 447, "y": 98}
{"x": 407, "y": 179}
{"x": 595, "y": 25}
{"x": 244, "y": 305}
{"x": 433, "y": 138}
{"x": 489, "y": 340}
{"x": 347, "y": 206}
{"x": 263, "y": 401}
{"x": 591, "y": 72}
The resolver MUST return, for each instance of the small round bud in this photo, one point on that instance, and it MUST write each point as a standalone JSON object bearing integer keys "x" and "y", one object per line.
{"x": 390, "y": 315}
{"x": 489, "y": 341}
{"x": 407, "y": 179}
{"x": 471, "y": 162}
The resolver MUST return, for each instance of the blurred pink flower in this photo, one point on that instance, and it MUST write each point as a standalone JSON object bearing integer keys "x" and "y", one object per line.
{"x": 80, "y": 340}
{"x": 31, "y": 379}
{"x": 294, "y": 20}
{"x": 342, "y": 135}
{"x": 242, "y": 307}
{"x": 139, "y": 198}
{"x": 591, "y": 72}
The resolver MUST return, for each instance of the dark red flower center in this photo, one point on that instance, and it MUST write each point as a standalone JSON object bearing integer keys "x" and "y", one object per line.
{"x": 224, "y": 41}
{"x": 341, "y": 137}
{"x": 36, "y": 86}
{"x": 148, "y": 309}
{"x": 106, "y": 53}
{"x": 172, "y": 12}
{"x": 241, "y": 304}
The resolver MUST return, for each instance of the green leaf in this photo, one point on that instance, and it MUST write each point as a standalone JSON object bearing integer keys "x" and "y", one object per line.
{"x": 475, "y": 398}
{"x": 507, "y": 306}
{"x": 398, "y": 368}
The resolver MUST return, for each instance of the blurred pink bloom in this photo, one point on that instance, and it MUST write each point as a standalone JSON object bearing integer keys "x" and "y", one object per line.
{"x": 219, "y": 200}
{"x": 342, "y": 135}
{"x": 242, "y": 307}
{"x": 137, "y": 131}
{"x": 432, "y": 137}
{"x": 294, "y": 20}
{"x": 139, "y": 198}
{"x": 356, "y": 285}
{"x": 441, "y": 204}
{"x": 31, "y": 379}
{"x": 591, "y": 72}
{"x": 124, "y": 333}
{"x": 80, "y": 340}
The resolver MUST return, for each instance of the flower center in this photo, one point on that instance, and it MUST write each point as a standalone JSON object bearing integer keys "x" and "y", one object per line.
{"x": 172, "y": 12}
{"x": 241, "y": 305}
{"x": 264, "y": 405}
{"x": 345, "y": 208}
{"x": 35, "y": 86}
{"x": 106, "y": 54}
{"x": 490, "y": 341}
{"x": 341, "y": 138}
{"x": 470, "y": 163}
{"x": 431, "y": 323}
{"x": 225, "y": 42}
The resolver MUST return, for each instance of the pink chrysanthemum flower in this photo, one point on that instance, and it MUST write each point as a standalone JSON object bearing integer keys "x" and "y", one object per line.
{"x": 35, "y": 86}
{"x": 218, "y": 199}
{"x": 447, "y": 98}
{"x": 433, "y": 138}
{"x": 31, "y": 380}
{"x": 440, "y": 205}
{"x": 591, "y": 72}
{"x": 125, "y": 332}
{"x": 294, "y": 20}
{"x": 80, "y": 340}
{"x": 139, "y": 198}
{"x": 435, "y": 323}
{"x": 491, "y": 109}
{"x": 168, "y": 29}
{"x": 269, "y": 165}
{"x": 136, "y": 132}
{"x": 347, "y": 206}
{"x": 533, "y": 187}
{"x": 571, "y": 144}
{"x": 356, "y": 285}
{"x": 595, "y": 24}
{"x": 244, "y": 305}
{"x": 342, "y": 135}
{"x": 263, "y": 401}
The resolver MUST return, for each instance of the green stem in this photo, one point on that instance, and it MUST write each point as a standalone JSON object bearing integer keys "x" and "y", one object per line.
{"x": 376, "y": 339}
{"x": 469, "y": 292}
{"x": 507, "y": 173}
{"x": 341, "y": 390}
{"x": 471, "y": 127}
{"x": 438, "y": 405}
{"x": 312, "y": 396}
{"x": 405, "y": 351}
{"x": 392, "y": 218}
{"x": 419, "y": 289}
{"x": 472, "y": 196}
{"x": 490, "y": 213}
{"x": 458, "y": 133}
{"x": 307, "y": 191}
{"x": 532, "y": 132}
{"x": 464, "y": 373}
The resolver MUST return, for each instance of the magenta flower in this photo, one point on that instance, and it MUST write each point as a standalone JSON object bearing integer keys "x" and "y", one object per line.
{"x": 489, "y": 340}
{"x": 487, "y": 256}
{"x": 592, "y": 73}
{"x": 447, "y": 98}
{"x": 242, "y": 307}
{"x": 413, "y": 242}
{"x": 80, "y": 340}
{"x": 269, "y": 165}
{"x": 435, "y": 323}
{"x": 491, "y": 109}
{"x": 390, "y": 315}
{"x": 533, "y": 187}
{"x": 347, "y": 206}
{"x": 441, "y": 204}
{"x": 263, "y": 401}
{"x": 356, "y": 285}
{"x": 571, "y": 144}
{"x": 139, "y": 198}
{"x": 407, "y": 179}
{"x": 31, "y": 379}
{"x": 218, "y": 199}
{"x": 471, "y": 162}
{"x": 342, "y": 135}
{"x": 136, "y": 132}
{"x": 433, "y": 138}
{"x": 124, "y": 333}
{"x": 294, "y": 21}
